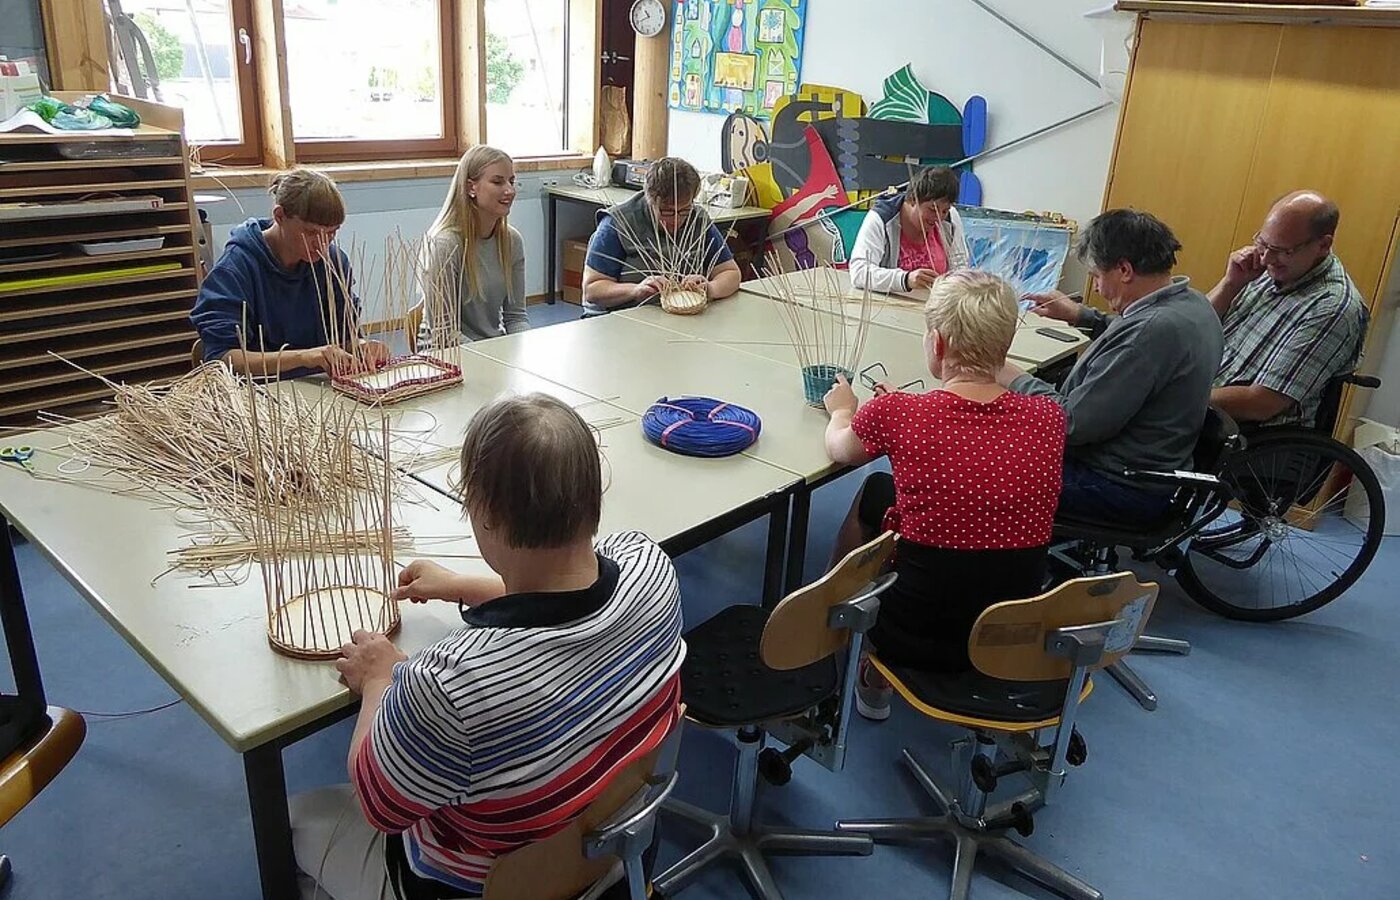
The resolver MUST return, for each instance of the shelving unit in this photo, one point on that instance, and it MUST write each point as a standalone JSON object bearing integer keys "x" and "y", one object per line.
{"x": 124, "y": 325}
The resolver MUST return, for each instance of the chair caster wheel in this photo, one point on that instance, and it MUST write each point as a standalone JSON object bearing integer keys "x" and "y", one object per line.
{"x": 1077, "y": 751}
{"x": 774, "y": 767}
{"x": 984, "y": 774}
{"x": 1021, "y": 820}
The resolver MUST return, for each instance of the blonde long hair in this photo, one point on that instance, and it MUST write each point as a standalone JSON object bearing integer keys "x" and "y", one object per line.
{"x": 458, "y": 214}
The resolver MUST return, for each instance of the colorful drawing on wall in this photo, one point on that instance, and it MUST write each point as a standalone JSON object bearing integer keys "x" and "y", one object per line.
{"x": 906, "y": 100}
{"x": 743, "y": 54}
{"x": 1027, "y": 250}
{"x": 821, "y": 242}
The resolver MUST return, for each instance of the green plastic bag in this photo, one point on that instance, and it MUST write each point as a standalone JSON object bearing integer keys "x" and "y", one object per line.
{"x": 119, "y": 115}
{"x": 69, "y": 118}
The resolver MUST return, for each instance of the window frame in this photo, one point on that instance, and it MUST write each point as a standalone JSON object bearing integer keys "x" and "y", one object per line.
{"x": 76, "y": 31}
{"x": 368, "y": 149}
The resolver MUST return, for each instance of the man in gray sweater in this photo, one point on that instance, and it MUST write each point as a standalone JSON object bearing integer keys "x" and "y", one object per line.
{"x": 1137, "y": 398}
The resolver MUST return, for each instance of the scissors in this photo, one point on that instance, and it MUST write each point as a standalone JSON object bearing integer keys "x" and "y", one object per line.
{"x": 18, "y": 455}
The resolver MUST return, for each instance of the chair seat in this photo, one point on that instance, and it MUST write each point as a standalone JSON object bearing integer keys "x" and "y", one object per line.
{"x": 973, "y": 696}
{"x": 724, "y": 682}
{"x": 29, "y": 769}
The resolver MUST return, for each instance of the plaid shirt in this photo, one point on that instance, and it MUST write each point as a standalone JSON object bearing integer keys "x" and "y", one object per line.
{"x": 1294, "y": 340}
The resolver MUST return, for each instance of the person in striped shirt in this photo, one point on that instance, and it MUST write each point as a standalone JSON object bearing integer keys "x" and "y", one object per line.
{"x": 1293, "y": 319}
{"x": 501, "y": 733}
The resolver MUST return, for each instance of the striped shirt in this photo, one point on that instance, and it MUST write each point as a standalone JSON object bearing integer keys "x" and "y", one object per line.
{"x": 1294, "y": 339}
{"x": 503, "y": 732}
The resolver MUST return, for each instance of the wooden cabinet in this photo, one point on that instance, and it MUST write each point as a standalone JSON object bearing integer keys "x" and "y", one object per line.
{"x": 73, "y": 283}
{"x": 1229, "y": 106}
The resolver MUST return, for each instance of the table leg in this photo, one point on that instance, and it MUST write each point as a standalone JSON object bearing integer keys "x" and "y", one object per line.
{"x": 797, "y": 536}
{"x": 19, "y": 638}
{"x": 272, "y": 826}
{"x": 551, "y": 245}
{"x": 774, "y": 557}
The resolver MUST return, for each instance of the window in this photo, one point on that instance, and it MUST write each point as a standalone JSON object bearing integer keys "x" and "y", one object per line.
{"x": 370, "y": 79}
{"x": 283, "y": 81}
{"x": 199, "y": 59}
{"x": 526, "y": 75}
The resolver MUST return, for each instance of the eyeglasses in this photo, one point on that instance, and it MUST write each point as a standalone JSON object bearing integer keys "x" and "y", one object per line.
{"x": 872, "y": 381}
{"x": 1264, "y": 246}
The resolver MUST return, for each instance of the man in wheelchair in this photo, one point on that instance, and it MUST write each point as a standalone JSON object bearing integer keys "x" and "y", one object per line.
{"x": 1293, "y": 319}
{"x": 1137, "y": 397}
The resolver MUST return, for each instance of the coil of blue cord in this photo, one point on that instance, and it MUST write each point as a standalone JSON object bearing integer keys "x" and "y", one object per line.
{"x": 700, "y": 426}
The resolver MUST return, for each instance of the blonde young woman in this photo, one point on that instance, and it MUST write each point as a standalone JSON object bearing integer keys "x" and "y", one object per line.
{"x": 472, "y": 256}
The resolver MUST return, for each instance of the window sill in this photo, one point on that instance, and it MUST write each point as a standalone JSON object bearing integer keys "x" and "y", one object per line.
{"x": 258, "y": 176}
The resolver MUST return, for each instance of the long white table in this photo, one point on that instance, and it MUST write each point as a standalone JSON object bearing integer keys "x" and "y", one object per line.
{"x": 1030, "y": 348}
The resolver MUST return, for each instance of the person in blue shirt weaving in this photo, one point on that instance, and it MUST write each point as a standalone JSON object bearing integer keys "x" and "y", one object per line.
{"x": 280, "y": 301}
{"x": 656, "y": 237}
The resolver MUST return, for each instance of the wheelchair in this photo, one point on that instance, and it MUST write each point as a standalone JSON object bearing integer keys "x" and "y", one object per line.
{"x": 1255, "y": 531}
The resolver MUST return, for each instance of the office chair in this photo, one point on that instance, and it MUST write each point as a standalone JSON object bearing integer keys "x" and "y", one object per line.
{"x": 759, "y": 674}
{"x": 1032, "y": 662}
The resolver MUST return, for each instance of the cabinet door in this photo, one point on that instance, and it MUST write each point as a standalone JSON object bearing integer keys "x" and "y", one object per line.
{"x": 1332, "y": 123}
{"x": 1188, "y": 132}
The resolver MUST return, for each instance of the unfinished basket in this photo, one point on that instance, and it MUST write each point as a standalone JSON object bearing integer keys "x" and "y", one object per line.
{"x": 398, "y": 379}
{"x": 684, "y": 303}
{"x": 327, "y": 559}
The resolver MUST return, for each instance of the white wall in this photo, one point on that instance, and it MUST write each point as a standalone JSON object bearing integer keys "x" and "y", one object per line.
{"x": 376, "y": 208}
{"x": 958, "y": 50}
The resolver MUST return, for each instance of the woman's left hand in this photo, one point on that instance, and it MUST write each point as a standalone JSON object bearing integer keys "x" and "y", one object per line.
{"x": 376, "y": 354}
{"x": 696, "y": 283}
{"x": 840, "y": 398}
{"x": 369, "y": 657}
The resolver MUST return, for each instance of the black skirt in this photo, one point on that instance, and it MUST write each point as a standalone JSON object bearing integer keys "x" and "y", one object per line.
{"x": 926, "y": 616}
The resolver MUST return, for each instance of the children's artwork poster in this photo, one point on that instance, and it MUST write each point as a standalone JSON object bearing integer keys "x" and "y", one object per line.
{"x": 735, "y": 55}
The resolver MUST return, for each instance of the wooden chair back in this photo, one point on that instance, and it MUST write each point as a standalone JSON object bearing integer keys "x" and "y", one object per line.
{"x": 29, "y": 769}
{"x": 197, "y": 353}
{"x": 797, "y": 634}
{"x": 1008, "y": 639}
{"x": 556, "y": 867}
{"x": 412, "y": 321}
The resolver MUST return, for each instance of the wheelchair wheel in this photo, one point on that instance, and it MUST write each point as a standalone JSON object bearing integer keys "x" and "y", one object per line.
{"x": 1282, "y": 548}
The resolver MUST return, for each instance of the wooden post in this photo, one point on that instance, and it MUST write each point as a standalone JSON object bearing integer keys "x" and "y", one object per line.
{"x": 471, "y": 74}
{"x": 649, "y": 115}
{"x": 585, "y": 75}
{"x": 270, "y": 57}
{"x": 76, "y": 34}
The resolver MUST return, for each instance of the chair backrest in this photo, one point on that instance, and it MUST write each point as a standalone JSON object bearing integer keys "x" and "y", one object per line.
{"x": 1331, "y": 404}
{"x": 1219, "y": 433}
{"x": 558, "y": 867}
{"x": 29, "y": 769}
{"x": 798, "y": 633}
{"x": 1008, "y": 639}
{"x": 412, "y": 321}
{"x": 197, "y": 353}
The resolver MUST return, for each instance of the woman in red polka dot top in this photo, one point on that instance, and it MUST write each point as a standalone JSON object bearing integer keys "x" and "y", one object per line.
{"x": 976, "y": 477}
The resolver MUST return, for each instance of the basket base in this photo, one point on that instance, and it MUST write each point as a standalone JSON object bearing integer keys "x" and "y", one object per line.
{"x": 315, "y": 625}
{"x": 684, "y": 303}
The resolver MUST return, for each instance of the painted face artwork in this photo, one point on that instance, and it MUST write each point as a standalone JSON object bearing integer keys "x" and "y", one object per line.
{"x": 743, "y": 142}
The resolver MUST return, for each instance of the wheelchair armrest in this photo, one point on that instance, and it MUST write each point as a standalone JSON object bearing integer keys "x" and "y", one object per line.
{"x": 1177, "y": 478}
{"x": 1365, "y": 381}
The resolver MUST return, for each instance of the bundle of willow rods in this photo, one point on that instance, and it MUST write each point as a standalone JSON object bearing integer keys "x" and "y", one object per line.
{"x": 189, "y": 445}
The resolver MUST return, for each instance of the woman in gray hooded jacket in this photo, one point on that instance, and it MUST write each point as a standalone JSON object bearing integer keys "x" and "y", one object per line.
{"x": 908, "y": 241}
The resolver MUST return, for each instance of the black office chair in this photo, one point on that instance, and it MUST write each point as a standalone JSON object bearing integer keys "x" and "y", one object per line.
{"x": 757, "y": 674}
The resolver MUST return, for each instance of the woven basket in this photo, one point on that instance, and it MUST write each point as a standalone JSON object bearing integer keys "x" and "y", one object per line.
{"x": 398, "y": 379}
{"x": 684, "y": 303}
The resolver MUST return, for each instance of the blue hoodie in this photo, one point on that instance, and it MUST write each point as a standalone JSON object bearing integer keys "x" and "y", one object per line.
{"x": 279, "y": 307}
